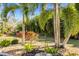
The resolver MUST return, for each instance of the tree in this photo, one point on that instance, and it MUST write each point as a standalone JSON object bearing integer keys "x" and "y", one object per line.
{"x": 45, "y": 15}
{"x": 56, "y": 25}
{"x": 26, "y": 9}
{"x": 7, "y": 8}
{"x": 71, "y": 22}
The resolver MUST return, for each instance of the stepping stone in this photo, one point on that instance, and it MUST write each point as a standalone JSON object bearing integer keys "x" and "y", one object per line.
{"x": 4, "y": 54}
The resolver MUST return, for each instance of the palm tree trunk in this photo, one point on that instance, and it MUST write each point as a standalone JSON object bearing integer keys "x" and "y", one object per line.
{"x": 66, "y": 40}
{"x": 56, "y": 25}
{"x": 23, "y": 31}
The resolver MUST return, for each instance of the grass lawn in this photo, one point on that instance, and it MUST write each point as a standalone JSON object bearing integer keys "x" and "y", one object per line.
{"x": 74, "y": 42}
{"x": 46, "y": 39}
{"x": 50, "y": 40}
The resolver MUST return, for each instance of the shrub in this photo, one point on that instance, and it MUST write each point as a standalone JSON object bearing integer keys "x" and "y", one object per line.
{"x": 29, "y": 35}
{"x": 51, "y": 50}
{"x": 28, "y": 47}
{"x": 14, "y": 41}
{"x": 4, "y": 43}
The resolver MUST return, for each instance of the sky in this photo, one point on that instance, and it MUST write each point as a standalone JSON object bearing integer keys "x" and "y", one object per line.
{"x": 37, "y": 12}
{"x": 18, "y": 13}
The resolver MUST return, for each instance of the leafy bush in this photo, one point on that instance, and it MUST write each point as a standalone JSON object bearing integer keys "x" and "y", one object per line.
{"x": 51, "y": 50}
{"x": 4, "y": 43}
{"x": 28, "y": 47}
{"x": 30, "y": 35}
{"x": 14, "y": 41}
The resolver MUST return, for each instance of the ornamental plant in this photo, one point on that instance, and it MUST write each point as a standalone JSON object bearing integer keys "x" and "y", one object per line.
{"x": 28, "y": 47}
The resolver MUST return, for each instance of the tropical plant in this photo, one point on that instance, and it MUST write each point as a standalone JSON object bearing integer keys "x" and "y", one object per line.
{"x": 45, "y": 15}
{"x": 26, "y": 9}
{"x": 28, "y": 47}
{"x": 4, "y": 43}
{"x": 71, "y": 22}
{"x": 56, "y": 24}
{"x": 51, "y": 50}
{"x": 7, "y": 8}
{"x": 14, "y": 41}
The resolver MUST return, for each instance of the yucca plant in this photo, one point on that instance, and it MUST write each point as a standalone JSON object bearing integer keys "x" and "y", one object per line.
{"x": 28, "y": 47}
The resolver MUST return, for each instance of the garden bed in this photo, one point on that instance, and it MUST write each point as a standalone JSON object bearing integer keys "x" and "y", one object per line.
{"x": 18, "y": 49}
{"x": 40, "y": 53}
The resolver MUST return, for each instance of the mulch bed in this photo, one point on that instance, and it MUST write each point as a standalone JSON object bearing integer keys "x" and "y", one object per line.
{"x": 35, "y": 51}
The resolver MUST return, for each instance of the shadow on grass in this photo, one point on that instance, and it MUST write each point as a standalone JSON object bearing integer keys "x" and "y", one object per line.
{"x": 46, "y": 39}
{"x": 74, "y": 42}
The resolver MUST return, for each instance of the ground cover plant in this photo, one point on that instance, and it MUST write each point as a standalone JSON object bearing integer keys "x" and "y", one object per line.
{"x": 8, "y": 42}
{"x": 4, "y": 43}
{"x": 28, "y": 47}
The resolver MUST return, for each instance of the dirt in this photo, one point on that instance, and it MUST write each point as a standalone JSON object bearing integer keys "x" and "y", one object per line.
{"x": 71, "y": 49}
{"x": 13, "y": 49}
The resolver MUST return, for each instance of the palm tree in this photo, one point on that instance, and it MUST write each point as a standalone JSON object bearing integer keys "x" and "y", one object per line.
{"x": 26, "y": 9}
{"x": 56, "y": 25}
{"x": 71, "y": 22}
{"x": 45, "y": 16}
{"x": 4, "y": 13}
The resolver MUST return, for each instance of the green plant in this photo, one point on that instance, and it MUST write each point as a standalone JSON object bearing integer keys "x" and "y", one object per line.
{"x": 28, "y": 47}
{"x": 14, "y": 41}
{"x": 69, "y": 16}
{"x": 4, "y": 43}
{"x": 51, "y": 50}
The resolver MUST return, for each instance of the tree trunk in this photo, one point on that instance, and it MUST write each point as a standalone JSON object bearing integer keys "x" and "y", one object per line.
{"x": 3, "y": 28}
{"x": 23, "y": 31}
{"x": 66, "y": 40}
{"x": 56, "y": 25}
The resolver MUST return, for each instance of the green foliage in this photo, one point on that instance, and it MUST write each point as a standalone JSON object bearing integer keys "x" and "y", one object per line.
{"x": 8, "y": 41}
{"x": 70, "y": 20}
{"x": 77, "y": 6}
{"x": 14, "y": 41}
{"x": 5, "y": 28}
{"x": 28, "y": 47}
{"x": 37, "y": 25}
{"x": 49, "y": 30}
{"x": 4, "y": 43}
{"x": 51, "y": 50}
{"x": 43, "y": 18}
{"x": 19, "y": 27}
